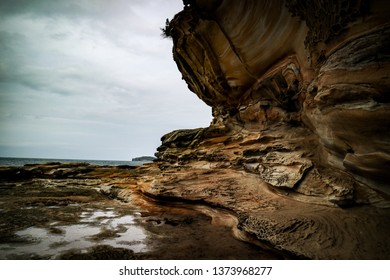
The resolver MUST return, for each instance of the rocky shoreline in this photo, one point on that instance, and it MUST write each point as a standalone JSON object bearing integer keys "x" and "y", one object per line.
{"x": 197, "y": 209}
{"x": 76, "y": 211}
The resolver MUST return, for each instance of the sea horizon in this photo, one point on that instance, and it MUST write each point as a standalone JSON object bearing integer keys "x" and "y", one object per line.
{"x": 21, "y": 161}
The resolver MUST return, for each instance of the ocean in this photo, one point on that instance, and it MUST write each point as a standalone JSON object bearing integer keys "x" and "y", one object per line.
{"x": 10, "y": 161}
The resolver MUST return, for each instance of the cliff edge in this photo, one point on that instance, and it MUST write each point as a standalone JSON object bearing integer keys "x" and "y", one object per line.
{"x": 298, "y": 148}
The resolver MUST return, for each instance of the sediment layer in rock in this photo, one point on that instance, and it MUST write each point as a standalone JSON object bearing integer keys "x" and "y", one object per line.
{"x": 299, "y": 147}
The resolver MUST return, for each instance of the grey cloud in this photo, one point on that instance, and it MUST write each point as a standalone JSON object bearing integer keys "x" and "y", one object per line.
{"x": 59, "y": 36}
{"x": 90, "y": 79}
{"x": 98, "y": 10}
{"x": 12, "y": 47}
{"x": 44, "y": 7}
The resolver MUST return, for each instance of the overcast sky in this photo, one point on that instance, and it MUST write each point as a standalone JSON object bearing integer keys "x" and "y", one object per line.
{"x": 90, "y": 79}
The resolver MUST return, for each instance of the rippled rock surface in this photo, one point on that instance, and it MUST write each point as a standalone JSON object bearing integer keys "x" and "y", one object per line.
{"x": 299, "y": 147}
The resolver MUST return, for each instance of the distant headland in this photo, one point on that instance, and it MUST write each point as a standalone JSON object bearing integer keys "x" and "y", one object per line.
{"x": 144, "y": 158}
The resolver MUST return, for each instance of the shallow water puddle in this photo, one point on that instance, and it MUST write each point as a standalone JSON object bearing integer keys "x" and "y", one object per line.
{"x": 95, "y": 227}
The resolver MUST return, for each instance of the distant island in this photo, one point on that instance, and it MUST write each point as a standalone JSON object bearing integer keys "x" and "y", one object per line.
{"x": 144, "y": 158}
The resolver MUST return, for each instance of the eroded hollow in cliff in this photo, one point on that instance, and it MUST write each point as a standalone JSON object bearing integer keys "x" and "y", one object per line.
{"x": 300, "y": 115}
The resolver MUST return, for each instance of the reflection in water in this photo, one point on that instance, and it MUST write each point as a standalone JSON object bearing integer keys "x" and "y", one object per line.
{"x": 99, "y": 231}
{"x": 101, "y": 227}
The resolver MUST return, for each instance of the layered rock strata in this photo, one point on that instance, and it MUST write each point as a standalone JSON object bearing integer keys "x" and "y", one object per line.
{"x": 299, "y": 144}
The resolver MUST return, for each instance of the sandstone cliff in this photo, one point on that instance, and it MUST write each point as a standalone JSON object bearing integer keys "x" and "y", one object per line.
{"x": 299, "y": 146}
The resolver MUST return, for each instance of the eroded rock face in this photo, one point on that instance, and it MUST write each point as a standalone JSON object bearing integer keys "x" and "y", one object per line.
{"x": 268, "y": 65}
{"x": 300, "y": 100}
{"x": 350, "y": 109}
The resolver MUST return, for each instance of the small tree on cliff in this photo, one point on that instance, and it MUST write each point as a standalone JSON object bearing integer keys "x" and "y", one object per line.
{"x": 166, "y": 31}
